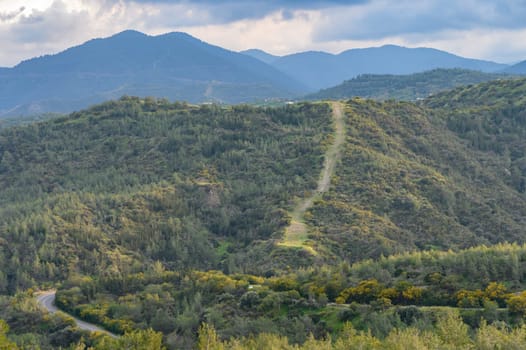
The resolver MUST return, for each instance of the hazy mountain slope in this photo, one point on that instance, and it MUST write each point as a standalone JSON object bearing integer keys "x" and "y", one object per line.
{"x": 404, "y": 87}
{"x": 320, "y": 70}
{"x": 261, "y": 55}
{"x": 22, "y": 120}
{"x": 314, "y": 68}
{"x": 519, "y": 68}
{"x": 175, "y": 65}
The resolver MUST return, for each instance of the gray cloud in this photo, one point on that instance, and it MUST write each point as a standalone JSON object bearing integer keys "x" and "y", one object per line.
{"x": 226, "y": 11}
{"x": 48, "y": 26}
{"x": 297, "y": 4}
{"x": 380, "y": 19}
{"x": 6, "y": 16}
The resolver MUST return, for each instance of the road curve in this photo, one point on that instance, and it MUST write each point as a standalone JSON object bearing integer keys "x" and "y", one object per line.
{"x": 46, "y": 300}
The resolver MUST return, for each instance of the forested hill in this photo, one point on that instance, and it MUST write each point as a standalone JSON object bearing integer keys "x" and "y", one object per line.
{"x": 133, "y": 181}
{"x": 106, "y": 190}
{"x": 414, "y": 177}
{"x": 404, "y": 87}
{"x": 130, "y": 208}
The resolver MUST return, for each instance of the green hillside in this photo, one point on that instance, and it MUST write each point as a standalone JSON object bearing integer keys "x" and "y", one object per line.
{"x": 145, "y": 213}
{"x": 133, "y": 181}
{"x": 409, "y": 87}
{"x": 214, "y": 187}
{"x": 407, "y": 180}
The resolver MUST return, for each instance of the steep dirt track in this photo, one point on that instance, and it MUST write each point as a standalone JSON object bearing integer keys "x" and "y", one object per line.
{"x": 297, "y": 232}
{"x": 47, "y": 301}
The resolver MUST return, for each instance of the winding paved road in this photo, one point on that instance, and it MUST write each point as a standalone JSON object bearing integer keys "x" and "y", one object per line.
{"x": 46, "y": 300}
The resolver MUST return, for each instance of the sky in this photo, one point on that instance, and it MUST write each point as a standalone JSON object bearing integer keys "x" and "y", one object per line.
{"x": 485, "y": 29}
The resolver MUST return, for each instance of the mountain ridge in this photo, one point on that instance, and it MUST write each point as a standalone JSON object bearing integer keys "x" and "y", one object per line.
{"x": 180, "y": 67}
{"x": 260, "y": 55}
{"x": 518, "y": 68}
{"x": 392, "y": 190}
{"x": 321, "y": 70}
{"x": 173, "y": 65}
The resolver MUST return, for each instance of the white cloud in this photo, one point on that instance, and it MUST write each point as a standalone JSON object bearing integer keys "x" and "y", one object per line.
{"x": 12, "y": 5}
{"x": 277, "y": 33}
{"x": 500, "y": 45}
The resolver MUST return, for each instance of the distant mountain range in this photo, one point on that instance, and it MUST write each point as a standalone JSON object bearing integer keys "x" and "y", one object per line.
{"x": 178, "y": 66}
{"x": 410, "y": 87}
{"x": 175, "y": 65}
{"x": 319, "y": 70}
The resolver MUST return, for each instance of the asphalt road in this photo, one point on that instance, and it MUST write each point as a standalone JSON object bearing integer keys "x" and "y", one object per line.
{"x": 47, "y": 301}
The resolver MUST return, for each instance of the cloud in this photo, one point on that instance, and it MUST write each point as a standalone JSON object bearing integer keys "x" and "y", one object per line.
{"x": 228, "y": 11}
{"x": 476, "y": 28}
{"x": 382, "y": 18}
{"x": 278, "y": 33}
{"x": 500, "y": 45}
{"x": 49, "y": 25}
{"x": 35, "y": 31}
{"x": 7, "y": 16}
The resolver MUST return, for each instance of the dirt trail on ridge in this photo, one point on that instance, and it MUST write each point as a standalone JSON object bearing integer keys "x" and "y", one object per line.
{"x": 297, "y": 232}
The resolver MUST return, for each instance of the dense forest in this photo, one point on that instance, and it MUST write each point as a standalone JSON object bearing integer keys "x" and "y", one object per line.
{"x": 162, "y": 222}
{"x": 133, "y": 181}
{"x": 410, "y": 87}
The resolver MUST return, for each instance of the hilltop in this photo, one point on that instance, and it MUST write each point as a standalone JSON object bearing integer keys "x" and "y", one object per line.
{"x": 260, "y": 55}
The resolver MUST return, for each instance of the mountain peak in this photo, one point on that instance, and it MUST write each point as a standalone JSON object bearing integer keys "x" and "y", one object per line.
{"x": 392, "y": 46}
{"x": 129, "y": 33}
{"x": 260, "y": 55}
{"x": 178, "y": 35}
